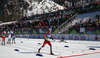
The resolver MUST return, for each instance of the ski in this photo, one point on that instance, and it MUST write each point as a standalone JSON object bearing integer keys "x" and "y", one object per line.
{"x": 47, "y": 54}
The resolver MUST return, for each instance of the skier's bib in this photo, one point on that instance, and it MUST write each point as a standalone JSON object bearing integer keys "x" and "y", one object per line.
{"x": 48, "y": 36}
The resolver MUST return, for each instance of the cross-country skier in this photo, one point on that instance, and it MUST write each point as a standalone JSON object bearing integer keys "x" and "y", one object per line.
{"x": 13, "y": 39}
{"x": 9, "y": 37}
{"x": 46, "y": 41}
{"x": 3, "y": 37}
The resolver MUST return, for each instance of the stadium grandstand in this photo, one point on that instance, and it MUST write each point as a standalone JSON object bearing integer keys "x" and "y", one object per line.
{"x": 55, "y": 20}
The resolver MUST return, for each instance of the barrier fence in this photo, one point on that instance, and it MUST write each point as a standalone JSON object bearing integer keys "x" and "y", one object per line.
{"x": 90, "y": 37}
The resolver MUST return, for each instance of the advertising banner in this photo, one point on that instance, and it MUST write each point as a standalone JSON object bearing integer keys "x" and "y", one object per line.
{"x": 70, "y": 36}
{"x": 98, "y": 36}
{"x": 54, "y": 36}
{"x": 76, "y": 37}
{"x": 63, "y": 36}
{"x": 93, "y": 37}
{"x": 25, "y": 36}
{"x": 83, "y": 37}
{"x": 19, "y": 36}
{"x": 31, "y": 36}
{"x": 35, "y": 36}
{"x": 42, "y": 35}
{"x": 58, "y": 36}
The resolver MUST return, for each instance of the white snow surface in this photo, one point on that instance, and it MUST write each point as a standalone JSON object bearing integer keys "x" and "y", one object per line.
{"x": 29, "y": 48}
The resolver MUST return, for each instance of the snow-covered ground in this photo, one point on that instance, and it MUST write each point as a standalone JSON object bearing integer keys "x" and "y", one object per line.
{"x": 29, "y": 48}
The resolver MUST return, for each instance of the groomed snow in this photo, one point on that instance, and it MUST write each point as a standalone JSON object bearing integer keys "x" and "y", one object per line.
{"x": 29, "y": 48}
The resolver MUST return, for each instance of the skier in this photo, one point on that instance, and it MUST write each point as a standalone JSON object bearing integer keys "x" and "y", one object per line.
{"x": 46, "y": 41}
{"x": 13, "y": 39}
{"x": 3, "y": 40}
{"x": 9, "y": 37}
{"x": 3, "y": 37}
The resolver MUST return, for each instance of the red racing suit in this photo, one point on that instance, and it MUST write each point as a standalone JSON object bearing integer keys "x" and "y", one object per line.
{"x": 3, "y": 38}
{"x": 47, "y": 37}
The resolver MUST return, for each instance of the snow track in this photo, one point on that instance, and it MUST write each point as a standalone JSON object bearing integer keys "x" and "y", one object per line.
{"x": 29, "y": 48}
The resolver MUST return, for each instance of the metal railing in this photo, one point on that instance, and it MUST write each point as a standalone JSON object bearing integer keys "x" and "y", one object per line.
{"x": 65, "y": 26}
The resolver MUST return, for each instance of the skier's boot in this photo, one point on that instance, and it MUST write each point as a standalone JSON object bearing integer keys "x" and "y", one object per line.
{"x": 52, "y": 53}
{"x": 38, "y": 50}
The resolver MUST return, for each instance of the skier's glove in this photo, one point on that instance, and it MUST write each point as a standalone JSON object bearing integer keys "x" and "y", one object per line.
{"x": 52, "y": 38}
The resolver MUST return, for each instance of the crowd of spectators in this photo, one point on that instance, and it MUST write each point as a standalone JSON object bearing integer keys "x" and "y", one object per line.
{"x": 45, "y": 21}
{"x": 90, "y": 26}
{"x": 41, "y": 21}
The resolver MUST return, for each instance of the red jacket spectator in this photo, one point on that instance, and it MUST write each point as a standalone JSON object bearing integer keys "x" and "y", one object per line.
{"x": 98, "y": 2}
{"x": 46, "y": 24}
{"x": 65, "y": 15}
{"x": 35, "y": 27}
{"x": 68, "y": 17}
